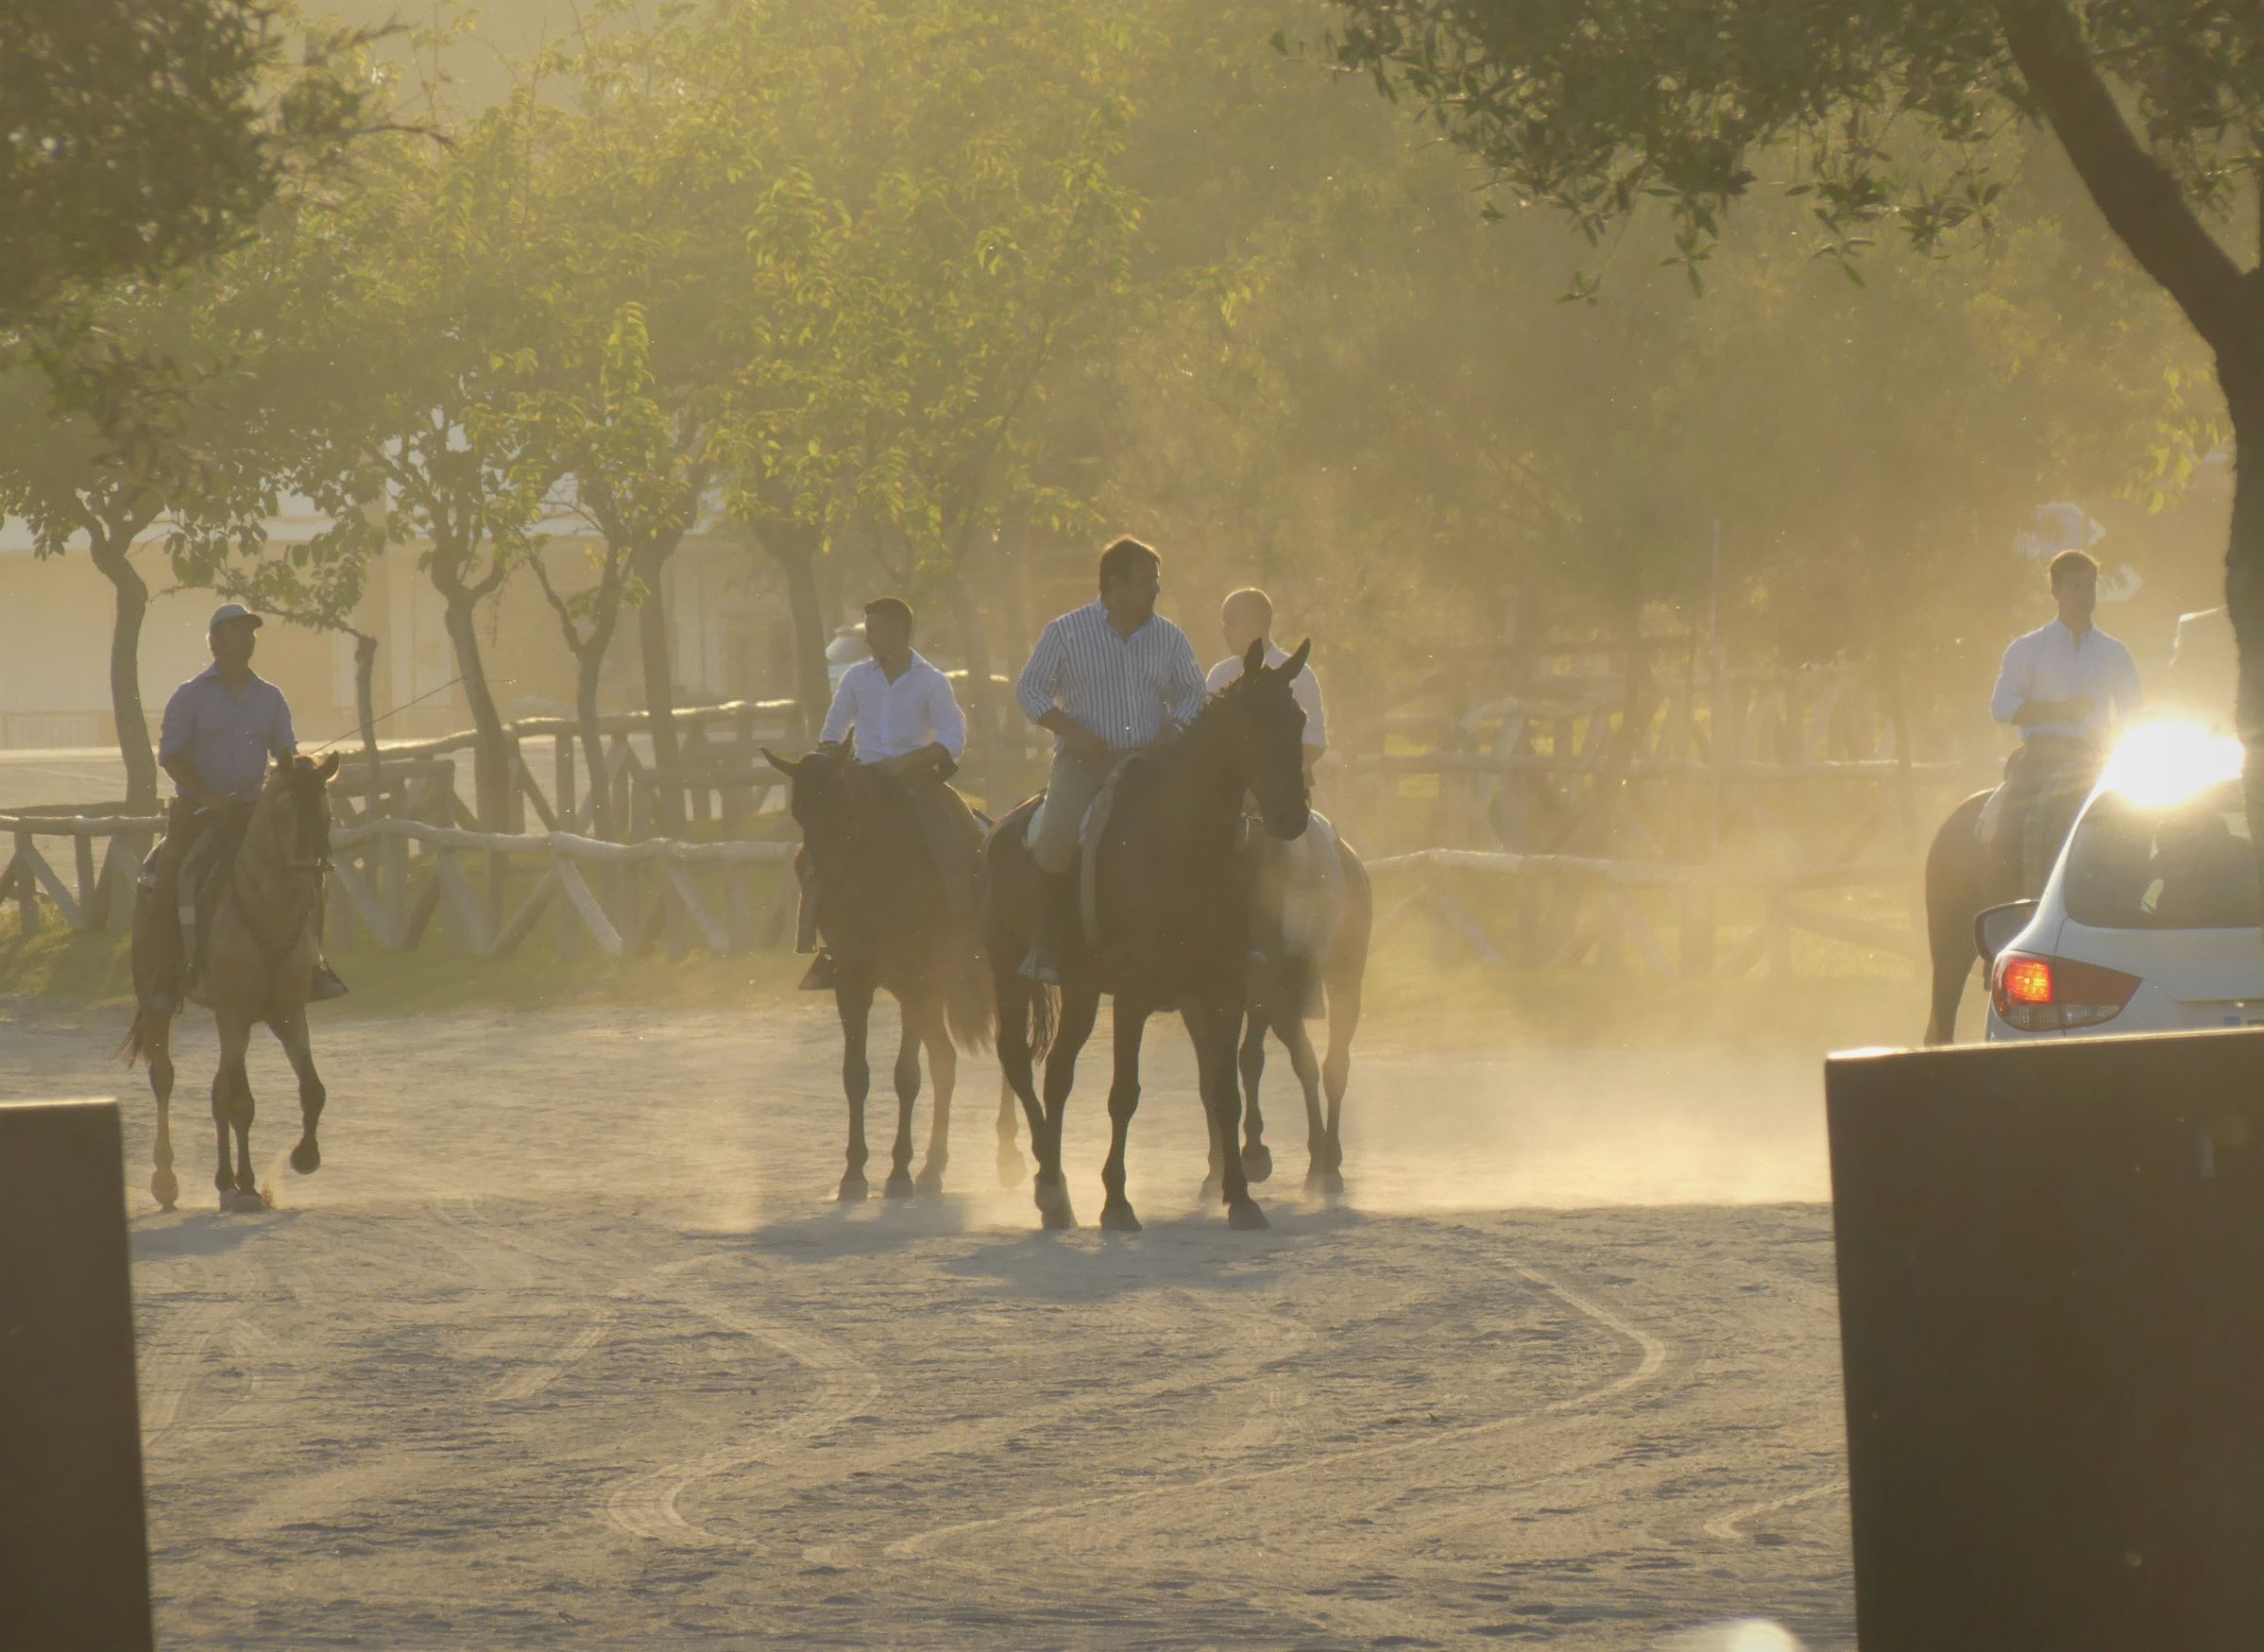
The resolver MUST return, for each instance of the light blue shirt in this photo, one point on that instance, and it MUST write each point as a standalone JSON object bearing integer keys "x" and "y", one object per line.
{"x": 1121, "y": 687}
{"x": 2052, "y": 663}
{"x": 915, "y": 711}
{"x": 228, "y": 736}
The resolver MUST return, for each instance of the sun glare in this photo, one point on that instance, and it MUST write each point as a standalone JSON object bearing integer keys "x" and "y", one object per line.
{"x": 2159, "y": 764}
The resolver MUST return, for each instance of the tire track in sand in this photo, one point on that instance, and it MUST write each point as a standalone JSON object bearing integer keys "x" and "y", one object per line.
{"x": 646, "y": 1504}
{"x": 1724, "y": 1528}
{"x": 1652, "y": 1359}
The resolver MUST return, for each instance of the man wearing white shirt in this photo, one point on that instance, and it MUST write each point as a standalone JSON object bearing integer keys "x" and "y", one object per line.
{"x": 908, "y": 725}
{"x": 1246, "y": 617}
{"x": 2065, "y": 686}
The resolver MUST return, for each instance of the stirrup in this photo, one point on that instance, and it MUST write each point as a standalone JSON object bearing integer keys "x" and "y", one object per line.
{"x": 327, "y": 984}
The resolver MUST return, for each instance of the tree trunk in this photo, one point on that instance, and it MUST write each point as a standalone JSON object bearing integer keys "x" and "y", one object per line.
{"x": 491, "y": 751}
{"x": 131, "y": 594}
{"x": 795, "y": 547}
{"x": 2244, "y": 564}
{"x": 650, "y": 562}
{"x": 365, "y": 653}
{"x": 983, "y": 720}
{"x": 589, "y": 661}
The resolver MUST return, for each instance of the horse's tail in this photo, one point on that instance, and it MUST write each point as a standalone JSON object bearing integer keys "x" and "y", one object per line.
{"x": 1042, "y": 1015}
{"x": 133, "y": 1049}
{"x": 971, "y": 1003}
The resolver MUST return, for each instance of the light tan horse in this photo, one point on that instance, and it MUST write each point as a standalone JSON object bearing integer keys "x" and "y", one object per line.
{"x": 264, "y": 938}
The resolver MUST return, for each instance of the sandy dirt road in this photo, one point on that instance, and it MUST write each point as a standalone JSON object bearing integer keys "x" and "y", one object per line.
{"x": 566, "y": 1346}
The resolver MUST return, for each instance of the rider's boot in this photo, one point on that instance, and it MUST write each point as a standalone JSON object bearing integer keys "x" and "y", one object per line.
{"x": 1056, "y": 938}
{"x": 327, "y": 984}
{"x": 819, "y": 976}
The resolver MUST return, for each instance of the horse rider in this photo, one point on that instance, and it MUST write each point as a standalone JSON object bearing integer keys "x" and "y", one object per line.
{"x": 220, "y": 729}
{"x": 1107, "y": 679}
{"x": 910, "y": 727}
{"x": 1245, "y": 616}
{"x": 2065, "y": 686}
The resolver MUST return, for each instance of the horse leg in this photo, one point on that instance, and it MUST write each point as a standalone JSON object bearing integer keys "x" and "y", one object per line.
{"x": 1015, "y": 1079}
{"x": 291, "y": 1033}
{"x": 852, "y": 1001}
{"x": 232, "y": 1112}
{"x": 1080, "y": 1007}
{"x": 157, "y": 1035}
{"x": 908, "y": 1095}
{"x": 942, "y": 1067}
{"x": 1010, "y": 1156}
{"x": 1290, "y": 1030}
{"x": 1124, "y": 1100}
{"x": 1213, "y": 1028}
{"x": 1257, "y": 1159}
{"x": 1336, "y": 1071}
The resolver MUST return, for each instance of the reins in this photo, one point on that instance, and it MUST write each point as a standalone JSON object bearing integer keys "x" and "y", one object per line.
{"x": 291, "y": 868}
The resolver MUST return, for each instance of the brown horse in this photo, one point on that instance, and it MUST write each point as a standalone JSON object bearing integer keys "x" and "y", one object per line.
{"x": 887, "y": 921}
{"x": 1172, "y": 906}
{"x": 1343, "y": 973}
{"x": 1965, "y": 878}
{"x": 262, "y": 943}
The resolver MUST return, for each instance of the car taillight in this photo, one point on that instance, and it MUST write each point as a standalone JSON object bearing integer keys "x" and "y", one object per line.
{"x": 2037, "y": 993}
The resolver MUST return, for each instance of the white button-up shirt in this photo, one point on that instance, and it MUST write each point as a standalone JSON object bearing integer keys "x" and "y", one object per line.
{"x": 1305, "y": 688}
{"x": 915, "y": 711}
{"x": 2052, "y": 663}
{"x": 1121, "y": 687}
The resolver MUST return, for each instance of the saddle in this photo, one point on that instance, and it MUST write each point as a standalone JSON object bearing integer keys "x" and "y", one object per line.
{"x": 1092, "y": 831}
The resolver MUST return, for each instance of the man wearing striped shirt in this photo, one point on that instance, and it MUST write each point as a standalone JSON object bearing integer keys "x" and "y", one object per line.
{"x": 1105, "y": 679}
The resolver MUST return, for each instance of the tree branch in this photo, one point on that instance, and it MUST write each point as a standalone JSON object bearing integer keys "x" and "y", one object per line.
{"x": 2136, "y": 195}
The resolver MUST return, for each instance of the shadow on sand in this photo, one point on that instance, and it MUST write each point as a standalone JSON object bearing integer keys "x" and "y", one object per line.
{"x": 159, "y": 1236}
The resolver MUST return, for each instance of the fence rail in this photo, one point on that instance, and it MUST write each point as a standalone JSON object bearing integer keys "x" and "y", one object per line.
{"x": 391, "y": 879}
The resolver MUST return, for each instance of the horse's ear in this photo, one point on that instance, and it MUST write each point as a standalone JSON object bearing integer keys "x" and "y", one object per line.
{"x": 326, "y": 768}
{"x": 1296, "y": 662}
{"x": 1254, "y": 657}
{"x": 779, "y": 763}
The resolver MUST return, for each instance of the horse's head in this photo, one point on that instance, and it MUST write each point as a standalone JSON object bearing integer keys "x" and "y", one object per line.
{"x": 825, "y": 790}
{"x": 299, "y": 810}
{"x": 1269, "y": 734}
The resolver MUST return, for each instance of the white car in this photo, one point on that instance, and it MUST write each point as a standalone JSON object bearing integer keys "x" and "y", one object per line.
{"x": 2151, "y": 920}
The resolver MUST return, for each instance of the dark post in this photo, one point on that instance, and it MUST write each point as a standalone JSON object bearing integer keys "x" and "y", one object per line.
{"x": 73, "y": 1553}
{"x": 2054, "y": 1341}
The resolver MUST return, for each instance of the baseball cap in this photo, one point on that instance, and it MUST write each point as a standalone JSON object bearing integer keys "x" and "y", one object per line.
{"x": 228, "y": 611}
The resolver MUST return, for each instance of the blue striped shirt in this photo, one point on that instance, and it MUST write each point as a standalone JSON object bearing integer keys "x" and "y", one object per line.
{"x": 1119, "y": 686}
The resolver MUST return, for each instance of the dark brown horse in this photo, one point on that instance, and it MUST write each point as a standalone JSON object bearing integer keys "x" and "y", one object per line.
{"x": 884, "y": 913}
{"x": 1343, "y": 971}
{"x": 262, "y": 943}
{"x": 1965, "y": 878}
{"x": 1173, "y": 917}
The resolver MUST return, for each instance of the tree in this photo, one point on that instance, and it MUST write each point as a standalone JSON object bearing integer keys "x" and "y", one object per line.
{"x": 136, "y": 413}
{"x": 140, "y": 135}
{"x": 1878, "y": 113}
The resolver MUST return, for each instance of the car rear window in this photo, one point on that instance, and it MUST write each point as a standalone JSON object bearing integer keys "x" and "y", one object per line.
{"x": 2191, "y": 867}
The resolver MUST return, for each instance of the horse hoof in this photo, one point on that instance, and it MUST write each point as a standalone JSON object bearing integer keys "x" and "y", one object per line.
{"x": 1054, "y": 1209}
{"x": 306, "y": 1158}
{"x": 243, "y": 1199}
{"x": 1257, "y": 1162}
{"x": 1324, "y": 1181}
{"x": 1245, "y": 1216}
{"x": 1116, "y": 1218}
{"x": 898, "y": 1185}
{"x": 929, "y": 1180}
{"x": 1010, "y": 1168}
{"x": 852, "y": 1190}
{"x": 165, "y": 1189}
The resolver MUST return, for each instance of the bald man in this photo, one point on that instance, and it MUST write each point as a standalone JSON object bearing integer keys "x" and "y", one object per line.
{"x": 1246, "y": 617}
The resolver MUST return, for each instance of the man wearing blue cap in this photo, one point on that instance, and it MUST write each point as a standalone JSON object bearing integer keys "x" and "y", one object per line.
{"x": 221, "y": 728}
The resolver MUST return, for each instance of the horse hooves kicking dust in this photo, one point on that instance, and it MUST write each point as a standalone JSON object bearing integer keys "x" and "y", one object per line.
{"x": 306, "y": 1158}
{"x": 930, "y": 1182}
{"x": 1324, "y": 1181}
{"x": 244, "y": 1199}
{"x": 1054, "y": 1208}
{"x": 898, "y": 1185}
{"x": 852, "y": 1190}
{"x": 1245, "y": 1216}
{"x": 1116, "y": 1218}
{"x": 165, "y": 1189}
{"x": 1257, "y": 1162}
